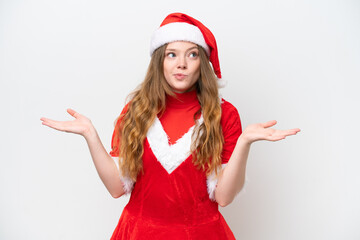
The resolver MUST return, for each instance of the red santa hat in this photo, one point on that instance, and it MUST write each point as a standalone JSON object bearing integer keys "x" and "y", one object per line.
{"x": 181, "y": 27}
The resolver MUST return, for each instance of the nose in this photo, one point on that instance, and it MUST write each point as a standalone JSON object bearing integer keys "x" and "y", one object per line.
{"x": 182, "y": 64}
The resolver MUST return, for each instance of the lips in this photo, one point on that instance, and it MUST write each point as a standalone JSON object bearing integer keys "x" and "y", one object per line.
{"x": 179, "y": 76}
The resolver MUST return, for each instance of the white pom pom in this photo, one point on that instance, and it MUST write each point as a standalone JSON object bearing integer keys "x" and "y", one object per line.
{"x": 221, "y": 82}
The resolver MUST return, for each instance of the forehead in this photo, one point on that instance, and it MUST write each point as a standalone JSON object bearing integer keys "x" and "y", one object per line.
{"x": 181, "y": 45}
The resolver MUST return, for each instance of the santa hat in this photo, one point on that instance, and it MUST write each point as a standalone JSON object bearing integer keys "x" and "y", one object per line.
{"x": 181, "y": 27}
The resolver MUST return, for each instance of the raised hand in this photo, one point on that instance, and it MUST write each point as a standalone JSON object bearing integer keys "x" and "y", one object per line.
{"x": 81, "y": 125}
{"x": 262, "y": 131}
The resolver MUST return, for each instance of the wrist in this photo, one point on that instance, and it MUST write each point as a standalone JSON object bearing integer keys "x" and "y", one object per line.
{"x": 90, "y": 133}
{"x": 243, "y": 140}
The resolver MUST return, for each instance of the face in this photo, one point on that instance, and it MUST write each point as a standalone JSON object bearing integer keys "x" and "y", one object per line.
{"x": 181, "y": 65}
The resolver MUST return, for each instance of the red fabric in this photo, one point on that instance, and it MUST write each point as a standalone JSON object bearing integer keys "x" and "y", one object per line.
{"x": 231, "y": 127}
{"x": 208, "y": 36}
{"x": 177, "y": 205}
{"x": 179, "y": 110}
{"x": 115, "y": 142}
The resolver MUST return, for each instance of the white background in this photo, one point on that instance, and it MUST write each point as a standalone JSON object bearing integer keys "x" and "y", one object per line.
{"x": 294, "y": 61}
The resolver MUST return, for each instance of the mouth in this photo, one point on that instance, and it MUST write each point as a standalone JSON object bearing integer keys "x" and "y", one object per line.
{"x": 179, "y": 76}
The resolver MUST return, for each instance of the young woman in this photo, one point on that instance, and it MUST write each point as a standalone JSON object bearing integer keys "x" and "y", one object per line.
{"x": 180, "y": 147}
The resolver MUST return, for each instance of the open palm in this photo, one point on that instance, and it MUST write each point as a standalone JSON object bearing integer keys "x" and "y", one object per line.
{"x": 262, "y": 131}
{"x": 80, "y": 125}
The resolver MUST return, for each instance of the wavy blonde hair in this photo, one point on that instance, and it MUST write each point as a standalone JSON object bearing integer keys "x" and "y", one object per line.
{"x": 148, "y": 100}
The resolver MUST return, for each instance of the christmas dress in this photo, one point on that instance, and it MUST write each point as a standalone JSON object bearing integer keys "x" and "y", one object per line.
{"x": 173, "y": 199}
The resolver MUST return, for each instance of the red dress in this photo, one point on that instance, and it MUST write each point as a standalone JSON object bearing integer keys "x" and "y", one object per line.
{"x": 173, "y": 199}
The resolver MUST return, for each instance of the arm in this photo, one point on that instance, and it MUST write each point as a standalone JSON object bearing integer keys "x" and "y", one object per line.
{"x": 104, "y": 164}
{"x": 232, "y": 178}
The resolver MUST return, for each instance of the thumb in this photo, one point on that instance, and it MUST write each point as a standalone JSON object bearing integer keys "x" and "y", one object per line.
{"x": 269, "y": 123}
{"x": 71, "y": 112}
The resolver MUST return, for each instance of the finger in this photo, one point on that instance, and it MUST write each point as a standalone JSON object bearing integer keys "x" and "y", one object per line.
{"x": 72, "y": 112}
{"x": 269, "y": 123}
{"x": 296, "y": 130}
{"x": 291, "y": 132}
{"x": 275, "y": 138}
{"x": 51, "y": 126}
{"x": 50, "y": 122}
{"x": 284, "y": 133}
{"x": 46, "y": 120}
{"x": 58, "y": 125}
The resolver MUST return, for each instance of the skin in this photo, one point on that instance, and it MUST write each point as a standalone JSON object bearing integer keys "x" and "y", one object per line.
{"x": 232, "y": 177}
{"x": 180, "y": 58}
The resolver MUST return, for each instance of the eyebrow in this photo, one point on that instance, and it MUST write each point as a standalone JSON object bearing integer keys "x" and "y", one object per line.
{"x": 171, "y": 49}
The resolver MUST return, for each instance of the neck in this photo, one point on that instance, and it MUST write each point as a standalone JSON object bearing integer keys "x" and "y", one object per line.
{"x": 184, "y": 99}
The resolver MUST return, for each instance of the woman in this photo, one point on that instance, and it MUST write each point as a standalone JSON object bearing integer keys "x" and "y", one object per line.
{"x": 181, "y": 148}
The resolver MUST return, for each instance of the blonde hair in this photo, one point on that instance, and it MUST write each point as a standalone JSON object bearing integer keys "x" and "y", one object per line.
{"x": 148, "y": 100}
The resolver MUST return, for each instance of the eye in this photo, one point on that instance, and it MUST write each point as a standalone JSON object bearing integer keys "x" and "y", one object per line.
{"x": 171, "y": 54}
{"x": 194, "y": 54}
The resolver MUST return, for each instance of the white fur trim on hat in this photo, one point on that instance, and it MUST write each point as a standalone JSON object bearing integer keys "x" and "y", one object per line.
{"x": 177, "y": 31}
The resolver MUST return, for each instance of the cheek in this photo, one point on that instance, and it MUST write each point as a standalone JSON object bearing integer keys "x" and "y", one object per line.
{"x": 197, "y": 70}
{"x": 167, "y": 66}
{"x": 164, "y": 66}
{"x": 165, "y": 69}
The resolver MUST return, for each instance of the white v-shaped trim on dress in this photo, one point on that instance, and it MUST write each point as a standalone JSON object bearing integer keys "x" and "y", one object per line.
{"x": 171, "y": 156}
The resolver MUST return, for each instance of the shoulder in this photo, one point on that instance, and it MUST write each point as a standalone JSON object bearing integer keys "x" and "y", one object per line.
{"x": 115, "y": 141}
{"x": 230, "y": 118}
{"x": 123, "y": 112}
{"x": 231, "y": 128}
{"x": 228, "y": 111}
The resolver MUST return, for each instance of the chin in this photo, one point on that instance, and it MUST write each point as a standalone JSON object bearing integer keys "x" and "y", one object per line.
{"x": 180, "y": 89}
{"x": 181, "y": 86}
